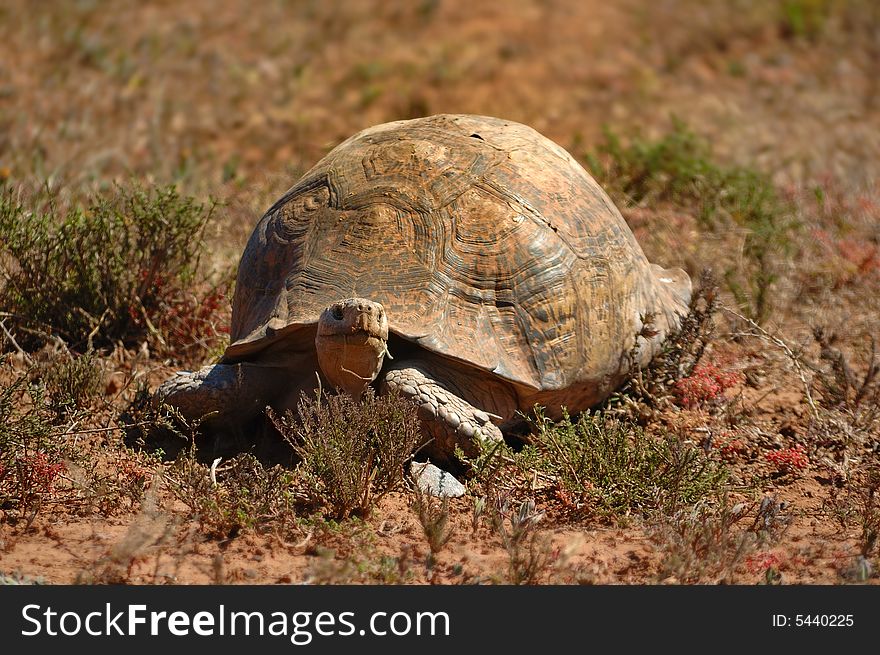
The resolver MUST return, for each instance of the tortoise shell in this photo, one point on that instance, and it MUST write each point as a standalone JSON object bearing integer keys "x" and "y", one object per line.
{"x": 486, "y": 242}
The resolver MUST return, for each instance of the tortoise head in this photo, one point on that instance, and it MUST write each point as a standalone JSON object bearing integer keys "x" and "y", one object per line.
{"x": 352, "y": 341}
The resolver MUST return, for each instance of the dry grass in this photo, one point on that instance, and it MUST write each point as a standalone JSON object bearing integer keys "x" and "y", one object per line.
{"x": 433, "y": 515}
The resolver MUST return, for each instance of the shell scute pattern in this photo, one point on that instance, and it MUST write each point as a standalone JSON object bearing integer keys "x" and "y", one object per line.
{"x": 486, "y": 242}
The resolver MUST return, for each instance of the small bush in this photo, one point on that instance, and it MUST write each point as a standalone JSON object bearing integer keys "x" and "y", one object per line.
{"x": 839, "y": 386}
{"x": 18, "y": 578}
{"x": 528, "y": 550}
{"x": 352, "y": 452}
{"x": 108, "y": 272}
{"x": 679, "y": 168}
{"x": 151, "y": 531}
{"x": 134, "y": 472}
{"x": 71, "y": 383}
{"x": 433, "y": 515}
{"x": 859, "y": 503}
{"x": 804, "y": 19}
{"x": 240, "y": 495}
{"x": 30, "y": 458}
{"x": 193, "y": 325}
{"x": 788, "y": 460}
{"x": 843, "y": 261}
{"x": 766, "y": 565}
{"x": 613, "y": 468}
{"x": 708, "y": 542}
{"x": 43, "y": 458}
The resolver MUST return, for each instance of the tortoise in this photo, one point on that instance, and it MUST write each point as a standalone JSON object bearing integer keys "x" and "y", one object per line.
{"x": 465, "y": 262}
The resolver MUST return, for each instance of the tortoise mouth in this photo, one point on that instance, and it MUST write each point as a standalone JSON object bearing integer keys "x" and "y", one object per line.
{"x": 355, "y": 339}
{"x": 355, "y": 335}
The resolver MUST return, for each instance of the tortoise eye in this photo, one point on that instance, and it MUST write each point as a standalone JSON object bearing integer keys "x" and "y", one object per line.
{"x": 337, "y": 312}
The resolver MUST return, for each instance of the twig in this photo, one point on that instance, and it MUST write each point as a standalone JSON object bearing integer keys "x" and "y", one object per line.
{"x": 762, "y": 333}
{"x": 150, "y": 326}
{"x": 27, "y": 358}
{"x": 69, "y": 430}
{"x": 96, "y": 329}
{"x": 214, "y": 470}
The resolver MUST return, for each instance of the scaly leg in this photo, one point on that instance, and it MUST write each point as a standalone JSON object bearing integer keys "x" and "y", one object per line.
{"x": 447, "y": 419}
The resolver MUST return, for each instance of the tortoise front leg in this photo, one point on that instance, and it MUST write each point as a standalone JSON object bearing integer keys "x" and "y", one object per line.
{"x": 229, "y": 394}
{"x": 448, "y": 420}
{"x": 229, "y": 401}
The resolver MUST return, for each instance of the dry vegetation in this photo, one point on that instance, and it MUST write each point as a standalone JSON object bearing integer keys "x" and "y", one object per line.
{"x": 139, "y": 143}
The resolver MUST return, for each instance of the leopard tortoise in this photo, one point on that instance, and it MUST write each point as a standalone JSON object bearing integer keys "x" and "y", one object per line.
{"x": 466, "y": 262}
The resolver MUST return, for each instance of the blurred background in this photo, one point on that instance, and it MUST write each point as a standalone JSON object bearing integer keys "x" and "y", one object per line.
{"x": 236, "y": 98}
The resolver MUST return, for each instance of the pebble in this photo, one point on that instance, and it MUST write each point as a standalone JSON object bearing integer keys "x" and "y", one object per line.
{"x": 435, "y": 481}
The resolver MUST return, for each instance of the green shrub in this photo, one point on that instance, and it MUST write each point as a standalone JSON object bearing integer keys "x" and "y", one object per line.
{"x": 352, "y": 451}
{"x": 45, "y": 456}
{"x": 612, "y": 468}
{"x": 840, "y": 388}
{"x": 528, "y": 550}
{"x": 679, "y": 168}
{"x": 433, "y": 516}
{"x": 239, "y": 495}
{"x": 805, "y": 19}
{"x": 71, "y": 382}
{"x": 99, "y": 274}
{"x": 858, "y": 503}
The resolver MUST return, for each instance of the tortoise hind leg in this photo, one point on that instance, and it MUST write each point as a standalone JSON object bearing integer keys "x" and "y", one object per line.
{"x": 448, "y": 420}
